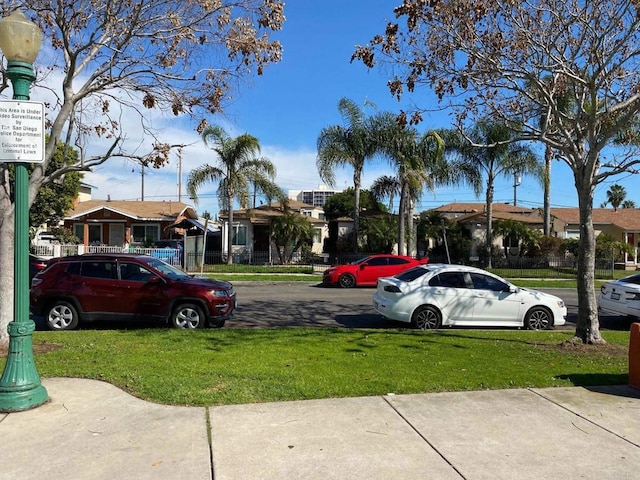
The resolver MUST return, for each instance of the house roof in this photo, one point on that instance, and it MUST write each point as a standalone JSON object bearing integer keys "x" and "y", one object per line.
{"x": 141, "y": 210}
{"x": 263, "y": 213}
{"x": 625, "y": 218}
{"x": 474, "y": 207}
{"x": 534, "y": 217}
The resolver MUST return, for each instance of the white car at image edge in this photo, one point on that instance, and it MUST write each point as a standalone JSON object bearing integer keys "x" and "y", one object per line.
{"x": 621, "y": 297}
{"x": 436, "y": 295}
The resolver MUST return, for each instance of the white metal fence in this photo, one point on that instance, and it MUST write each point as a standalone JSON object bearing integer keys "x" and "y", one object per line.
{"x": 172, "y": 256}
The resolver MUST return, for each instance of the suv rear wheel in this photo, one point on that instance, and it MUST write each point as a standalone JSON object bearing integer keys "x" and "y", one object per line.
{"x": 61, "y": 315}
{"x": 187, "y": 315}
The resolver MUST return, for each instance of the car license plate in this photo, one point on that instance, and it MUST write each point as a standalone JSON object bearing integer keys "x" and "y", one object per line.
{"x": 615, "y": 296}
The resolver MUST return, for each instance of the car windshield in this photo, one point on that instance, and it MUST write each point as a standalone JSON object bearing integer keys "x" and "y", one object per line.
{"x": 631, "y": 279}
{"x": 411, "y": 274}
{"x": 358, "y": 262}
{"x": 168, "y": 270}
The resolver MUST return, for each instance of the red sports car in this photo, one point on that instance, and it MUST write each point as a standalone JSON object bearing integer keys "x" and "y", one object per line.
{"x": 367, "y": 270}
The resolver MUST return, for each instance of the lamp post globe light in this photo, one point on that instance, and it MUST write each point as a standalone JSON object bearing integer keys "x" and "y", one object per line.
{"x": 20, "y": 386}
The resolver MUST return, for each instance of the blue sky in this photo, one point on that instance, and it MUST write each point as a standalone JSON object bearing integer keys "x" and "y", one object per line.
{"x": 288, "y": 106}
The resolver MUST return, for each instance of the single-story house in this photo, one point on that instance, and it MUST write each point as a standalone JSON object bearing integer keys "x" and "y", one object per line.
{"x": 622, "y": 224}
{"x": 124, "y": 222}
{"x": 251, "y": 227}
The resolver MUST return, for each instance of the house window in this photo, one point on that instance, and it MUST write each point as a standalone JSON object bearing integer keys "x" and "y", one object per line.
{"x": 144, "y": 234}
{"x": 239, "y": 235}
{"x": 317, "y": 235}
{"x": 95, "y": 233}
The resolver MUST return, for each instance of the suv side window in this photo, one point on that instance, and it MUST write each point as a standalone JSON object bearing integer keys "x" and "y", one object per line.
{"x": 132, "y": 272}
{"x": 106, "y": 270}
{"x": 73, "y": 268}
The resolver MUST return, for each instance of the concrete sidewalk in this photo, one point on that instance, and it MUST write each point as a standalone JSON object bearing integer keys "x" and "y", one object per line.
{"x": 93, "y": 430}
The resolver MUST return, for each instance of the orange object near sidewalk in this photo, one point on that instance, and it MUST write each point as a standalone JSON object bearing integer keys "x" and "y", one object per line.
{"x": 634, "y": 356}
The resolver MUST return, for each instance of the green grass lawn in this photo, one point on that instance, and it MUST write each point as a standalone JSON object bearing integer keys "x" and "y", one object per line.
{"x": 231, "y": 366}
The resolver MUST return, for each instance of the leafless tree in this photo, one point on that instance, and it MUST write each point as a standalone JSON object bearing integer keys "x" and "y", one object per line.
{"x": 513, "y": 60}
{"x": 124, "y": 57}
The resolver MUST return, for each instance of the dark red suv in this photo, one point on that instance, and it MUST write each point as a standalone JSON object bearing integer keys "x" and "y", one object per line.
{"x": 89, "y": 287}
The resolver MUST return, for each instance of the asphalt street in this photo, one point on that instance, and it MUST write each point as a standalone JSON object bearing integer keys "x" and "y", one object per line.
{"x": 271, "y": 304}
{"x": 302, "y": 304}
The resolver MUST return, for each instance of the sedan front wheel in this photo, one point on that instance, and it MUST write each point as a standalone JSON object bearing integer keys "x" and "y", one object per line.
{"x": 538, "y": 318}
{"x": 347, "y": 280}
{"x": 426, "y": 317}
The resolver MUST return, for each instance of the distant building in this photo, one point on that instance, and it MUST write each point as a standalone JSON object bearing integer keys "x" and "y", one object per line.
{"x": 313, "y": 197}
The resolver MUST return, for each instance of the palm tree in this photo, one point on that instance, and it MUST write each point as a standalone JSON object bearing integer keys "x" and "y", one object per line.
{"x": 419, "y": 162}
{"x": 290, "y": 232}
{"x": 410, "y": 156}
{"x": 488, "y": 149}
{"x": 238, "y": 168}
{"x": 349, "y": 145}
{"x": 383, "y": 187}
{"x": 615, "y": 196}
{"x": 628, "y": 204}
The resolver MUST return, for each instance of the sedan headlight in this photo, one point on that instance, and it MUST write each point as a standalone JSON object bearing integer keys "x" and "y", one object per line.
{"x": 560, "y": 303}
{"x": 633, "y": 296}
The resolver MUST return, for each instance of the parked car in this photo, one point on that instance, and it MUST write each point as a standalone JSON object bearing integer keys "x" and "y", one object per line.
{"x": 438, "y": 295}
{"x": 89, "y": 287}
{"x": 367, "y": 270}
{"x": 36, "y": 264}
{"x": 621, "y": 297}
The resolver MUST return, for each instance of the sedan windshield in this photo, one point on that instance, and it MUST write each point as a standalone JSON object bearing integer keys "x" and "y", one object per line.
{"x": 358, "y": 262}
{"x": 631, "y": 279}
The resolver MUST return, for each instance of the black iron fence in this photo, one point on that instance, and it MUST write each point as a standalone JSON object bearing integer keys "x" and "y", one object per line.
{"x": 559, "y": 267}
{"x": 268, "y": 262}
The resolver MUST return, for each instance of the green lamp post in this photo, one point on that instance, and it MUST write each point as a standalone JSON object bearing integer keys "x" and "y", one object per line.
{"x": 20, "y": 386}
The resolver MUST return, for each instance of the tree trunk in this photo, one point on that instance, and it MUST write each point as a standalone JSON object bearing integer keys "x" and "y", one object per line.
{"x": 548, "y": 156}
{"x": 489, "y": 239}
{"x": 356, "y": 208}
{"x": 588, "y": 325}
{"x": 401, "y": 219}
{"x": 230, "y": 231}
{"x": 6, "y": 269}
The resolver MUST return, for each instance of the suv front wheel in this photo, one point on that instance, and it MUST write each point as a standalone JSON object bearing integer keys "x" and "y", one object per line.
{"x": 188, "y": 315}
{"x": 61, "y": 315}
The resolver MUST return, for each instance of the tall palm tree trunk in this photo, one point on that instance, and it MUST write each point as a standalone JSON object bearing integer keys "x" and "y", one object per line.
{"x": 230, "y": 231}
{"x": 489, "y": 233}
{"x": 402, "y": 206}
{"x": 356, "y": 208}
{"x": 548, "y": 156}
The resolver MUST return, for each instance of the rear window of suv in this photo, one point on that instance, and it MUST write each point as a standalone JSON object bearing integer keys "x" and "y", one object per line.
{"x": 99, "y": 270}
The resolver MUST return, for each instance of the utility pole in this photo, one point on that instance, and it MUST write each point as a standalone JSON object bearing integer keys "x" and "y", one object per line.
{"x": 516, "y": 183}
{"x": 180, "y": 173}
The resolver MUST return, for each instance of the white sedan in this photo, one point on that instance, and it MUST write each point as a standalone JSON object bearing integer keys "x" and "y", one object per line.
{"x": 431, "y": 296}
{"x": 621, "y": 297}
